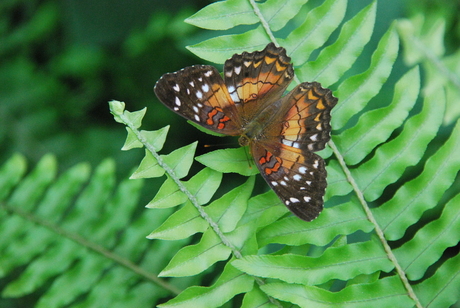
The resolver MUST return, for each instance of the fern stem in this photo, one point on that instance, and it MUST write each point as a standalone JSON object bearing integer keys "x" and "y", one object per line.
{"x": 236, "y": 252}
{"x": 92, "y": 246}
{"x": 182, "y": 187}
{"x": 264, "y": 23}
{"x": 378, "y": 230}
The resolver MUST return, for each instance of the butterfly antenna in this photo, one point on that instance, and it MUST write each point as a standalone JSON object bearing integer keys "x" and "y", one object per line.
{"x": 218, "y": 145}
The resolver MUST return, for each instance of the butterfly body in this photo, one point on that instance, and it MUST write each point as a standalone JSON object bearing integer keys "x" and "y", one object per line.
{"x": 282, "y": 132}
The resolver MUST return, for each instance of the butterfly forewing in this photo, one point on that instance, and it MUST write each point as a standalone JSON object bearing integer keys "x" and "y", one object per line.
{"x": 256, "y": 79}
{"x": 198, "y": 93}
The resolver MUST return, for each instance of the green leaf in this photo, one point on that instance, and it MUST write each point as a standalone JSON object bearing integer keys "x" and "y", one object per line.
{"x": 224, "y": 15}
{"x": 228, "y": 14}
{"x": 181, "y": 224}
{"x": 337, "y": 184}
{"x": 155, "y": 138}
{"x": 11, "y": 173}
{"x": 337, "y": 58}
{"x": 149, "y": 168}
{"x": 229, "y": 284}
{"x": 221, "y": 48}
{"x": 391, "y": 159}
{"x": 430, "y": 242}
{"x": 194, "y": 259}
{"x": 441, "y": 289}
{"x": 386, "y": 292}
{"x": 229, "y": 209}
{"x": 378, "y": 124}
{"x": 202, "y": 186}
{"x": 169, "y": 195}
{"x": 342, "y": 263}
{"x": 421, "y": 193}
{"x": 230, "y": 160}
{"x": 179, "y": 161}
{"x": 344, "y": 219}
{"x": 355, "y": 92}
{"x": 256, "y": 298}
{"x": 314, "y": 32}
{"x": 264, "y": 209}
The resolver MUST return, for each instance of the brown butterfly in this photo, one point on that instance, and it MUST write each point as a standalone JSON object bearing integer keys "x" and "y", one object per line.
{"x": 282, "y": 132}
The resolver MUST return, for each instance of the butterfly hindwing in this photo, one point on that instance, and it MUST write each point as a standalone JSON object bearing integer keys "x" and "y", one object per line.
{"x": 298, "y": 178}
{"x": 256, "y": 79}
{"x": 306, "y": 120}
{"x": 198, "y": 93}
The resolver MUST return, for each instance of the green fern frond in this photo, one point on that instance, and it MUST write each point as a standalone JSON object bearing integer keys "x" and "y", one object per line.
{"x": 388, "y": 167}
{"x": 66, "y": 235}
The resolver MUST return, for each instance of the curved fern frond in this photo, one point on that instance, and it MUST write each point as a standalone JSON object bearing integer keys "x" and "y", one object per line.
{"x": 388, "y": 166}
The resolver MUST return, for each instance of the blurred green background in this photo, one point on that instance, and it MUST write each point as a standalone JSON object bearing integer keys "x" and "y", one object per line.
{"x": 62, "y": 61}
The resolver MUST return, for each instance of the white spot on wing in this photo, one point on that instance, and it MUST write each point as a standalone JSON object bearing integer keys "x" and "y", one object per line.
{"x": 195, "y": 108}
{"x": 176, "y": 87}
{"x": 228, "y": 74}
{"x": 302, "y": 170}
{"x": 208, "y": 73}
{"x": 231, "y": 89}
{"x": 294, "y": 200}
{"x": 315, "y": 165}
{"x": 308, "y": 183}
{"x": 297, "y": 177}
{"x": 205, "y": 88}
{"x": 235, "y": 97}
{"x": 199, "y": 94}
{"x": 192, "y": 84}
{"x": 287, "y": 142}
{"x": 177, "y": 101}
{"x": 274, "y": 183}
{"x": 197, "y": 118}
{"x": 307, "y": 199}
{"x": 283, "y": 183}
{"x": 238, "y": 70}
{"x": 314, "y": 137}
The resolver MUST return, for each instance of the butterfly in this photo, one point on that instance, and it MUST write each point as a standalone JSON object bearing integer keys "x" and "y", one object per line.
{"x": 282, "y": 132}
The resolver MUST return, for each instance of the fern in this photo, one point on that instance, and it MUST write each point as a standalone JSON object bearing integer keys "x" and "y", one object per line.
{"x": 392, "y": 202}
{"x": 66, "y": 236}
{"x": 369, "y": 166}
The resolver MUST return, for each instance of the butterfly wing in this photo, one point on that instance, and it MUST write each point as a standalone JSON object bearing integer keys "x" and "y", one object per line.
{"x": 306, "y": 120}
{"x": 198, "y": 93}
{"x": 298, "y": 178}
{"x": 257, "y": 79}
{"x": 284, "y": 154}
